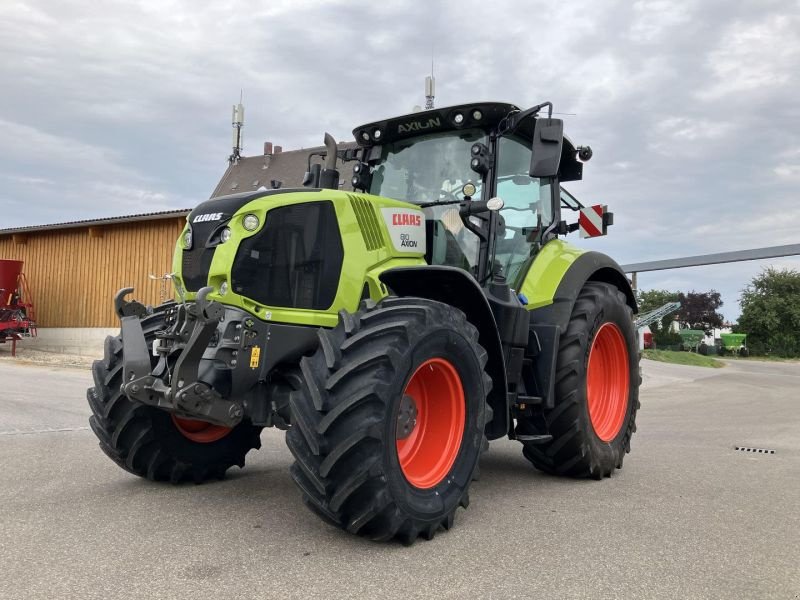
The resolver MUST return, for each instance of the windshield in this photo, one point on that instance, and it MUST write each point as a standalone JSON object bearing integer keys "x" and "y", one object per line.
{"x": 425, "y": 169}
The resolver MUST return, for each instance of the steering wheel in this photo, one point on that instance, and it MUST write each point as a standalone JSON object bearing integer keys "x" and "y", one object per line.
{"x": 448, "y": 195}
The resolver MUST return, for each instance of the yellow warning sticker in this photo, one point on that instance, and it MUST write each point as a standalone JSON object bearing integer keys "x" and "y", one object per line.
{"x": 255, "y": 357}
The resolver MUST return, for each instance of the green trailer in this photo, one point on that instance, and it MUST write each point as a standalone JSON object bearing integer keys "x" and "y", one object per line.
{"x": 691, "y": 338}
{"x": 733, "y": 343}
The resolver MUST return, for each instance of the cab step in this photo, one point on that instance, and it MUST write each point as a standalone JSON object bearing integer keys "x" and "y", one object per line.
{"x": 534, "y": 439}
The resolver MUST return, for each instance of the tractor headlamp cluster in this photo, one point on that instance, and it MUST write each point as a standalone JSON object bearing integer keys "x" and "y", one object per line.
{"x": 187, "y": 239}
{"x": 468, "y": 190}
{"x": 462, "y": 118}
{"x": 250, "y": 222}
{"x": 225, "y": 234}
{"x": 371, "y": 136}
{"x": 361, "y": 176}
{"x": 481, "y": 160}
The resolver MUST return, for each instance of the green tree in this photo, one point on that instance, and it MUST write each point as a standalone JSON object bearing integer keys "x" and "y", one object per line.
{"x": 771, "y": 313}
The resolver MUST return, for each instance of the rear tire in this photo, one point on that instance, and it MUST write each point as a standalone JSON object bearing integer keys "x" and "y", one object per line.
{"x": 591, "y": 435}
{"x": 147, "y": 441}
{"x": 356, "y": 449}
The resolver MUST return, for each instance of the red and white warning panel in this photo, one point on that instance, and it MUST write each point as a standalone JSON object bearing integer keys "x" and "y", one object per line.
{"x": 591, "y": 222}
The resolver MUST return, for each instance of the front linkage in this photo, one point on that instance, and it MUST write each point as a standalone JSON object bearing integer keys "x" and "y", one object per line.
{"x": 193, "y": 326}
{"x": 198, "y": 353}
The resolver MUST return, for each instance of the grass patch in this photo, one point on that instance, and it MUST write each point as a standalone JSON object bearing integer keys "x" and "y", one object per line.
{"x": 683, "y": 358}
{"x": 766, "y": 358}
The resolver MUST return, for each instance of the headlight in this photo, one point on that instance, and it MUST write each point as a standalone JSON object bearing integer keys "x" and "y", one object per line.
{"x": 250, "y": 222}
{"x": 187, "y": 239}
{"x": 223, "y": 288}
{"x": 225, "y": 235}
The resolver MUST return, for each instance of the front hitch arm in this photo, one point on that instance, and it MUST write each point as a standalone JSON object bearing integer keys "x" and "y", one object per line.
{"x": 136, "y": 355}
{"x": 124, "y": 308}
{"x": 184, "y": 394}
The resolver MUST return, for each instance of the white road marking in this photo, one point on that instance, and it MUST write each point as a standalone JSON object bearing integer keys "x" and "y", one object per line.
{"x": 49, "y": 430}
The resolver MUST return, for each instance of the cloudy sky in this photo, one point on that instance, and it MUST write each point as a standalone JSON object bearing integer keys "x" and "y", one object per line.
{"x": 692, "y": 108}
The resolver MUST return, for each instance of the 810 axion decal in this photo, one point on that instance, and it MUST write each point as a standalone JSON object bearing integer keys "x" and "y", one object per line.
{"x": 406, "y": 229}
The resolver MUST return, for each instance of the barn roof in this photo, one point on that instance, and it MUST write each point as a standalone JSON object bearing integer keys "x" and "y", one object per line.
{"x": 288, "y": 167}
{"x": 152, "y": 216}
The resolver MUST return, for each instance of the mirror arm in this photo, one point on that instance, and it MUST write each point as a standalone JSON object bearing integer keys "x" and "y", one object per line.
{"x": 511, "y": 122}
{"x": 465, "y": 215}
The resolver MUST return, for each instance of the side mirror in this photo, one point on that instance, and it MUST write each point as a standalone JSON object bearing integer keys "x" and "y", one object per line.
{"x": 548, "y": 138}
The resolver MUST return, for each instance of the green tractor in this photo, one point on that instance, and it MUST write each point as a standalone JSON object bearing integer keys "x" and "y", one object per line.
{"x": 393, "y": 330}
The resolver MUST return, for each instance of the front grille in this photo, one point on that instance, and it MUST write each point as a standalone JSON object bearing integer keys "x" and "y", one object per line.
{"x": 294, "y": 261}
{"x": 195, "y": 266}
{"x": 197, "y": 262}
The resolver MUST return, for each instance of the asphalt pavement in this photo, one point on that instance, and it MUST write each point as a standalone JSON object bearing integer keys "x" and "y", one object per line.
{"x": 687, "y": 517}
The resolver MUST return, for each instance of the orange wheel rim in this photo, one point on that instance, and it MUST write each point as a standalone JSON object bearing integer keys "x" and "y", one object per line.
{"x": 201, "y": 432}
{"x": 607, "y": 382}
{"x": 430, "y": 423}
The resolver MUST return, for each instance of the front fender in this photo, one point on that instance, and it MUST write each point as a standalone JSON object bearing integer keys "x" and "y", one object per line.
{"x": 459, "y": 289}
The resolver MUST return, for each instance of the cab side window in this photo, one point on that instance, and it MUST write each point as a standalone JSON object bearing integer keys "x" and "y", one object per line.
{"x": 527, "y": 206}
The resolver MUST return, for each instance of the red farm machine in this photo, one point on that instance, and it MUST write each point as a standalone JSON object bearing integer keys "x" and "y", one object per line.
{"x": 16, "y": 304}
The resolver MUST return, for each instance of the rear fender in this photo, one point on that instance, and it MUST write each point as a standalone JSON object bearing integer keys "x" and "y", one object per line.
{"x": 550, "y": 321}
{"x": 459, "y": 289}
{"x": 587, "y": 266}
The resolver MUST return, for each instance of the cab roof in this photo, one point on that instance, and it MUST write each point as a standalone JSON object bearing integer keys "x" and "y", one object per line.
{"x": 482, "y": 115}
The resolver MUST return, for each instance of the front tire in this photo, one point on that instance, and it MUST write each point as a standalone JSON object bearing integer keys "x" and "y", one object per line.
{"x": 596, "y": 390}
{"x": 388, "y": 425}
{"x": 148, "y": 441}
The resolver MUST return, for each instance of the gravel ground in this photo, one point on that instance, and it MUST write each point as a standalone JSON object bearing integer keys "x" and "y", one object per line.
{"x": 687, "y": 517}
{"x": 38, "y": 357}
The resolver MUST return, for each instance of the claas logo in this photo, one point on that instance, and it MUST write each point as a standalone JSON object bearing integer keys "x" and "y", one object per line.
{"x": 406, "y": 219}
{"x": 207, "y": 217}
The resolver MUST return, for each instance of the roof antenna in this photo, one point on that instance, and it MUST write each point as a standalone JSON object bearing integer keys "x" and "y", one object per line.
{"x": 237, "y": 122}
{"x": 430, "y": 88}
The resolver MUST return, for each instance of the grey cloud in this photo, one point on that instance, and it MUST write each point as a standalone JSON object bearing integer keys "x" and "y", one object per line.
{"x": 690, "y": 106}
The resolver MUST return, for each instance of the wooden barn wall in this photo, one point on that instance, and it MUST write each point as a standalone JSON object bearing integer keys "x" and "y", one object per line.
{"x": 73, "y": 277}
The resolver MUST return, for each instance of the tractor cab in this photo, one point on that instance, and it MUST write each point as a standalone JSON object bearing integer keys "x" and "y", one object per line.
{"x": 451, "y": 161}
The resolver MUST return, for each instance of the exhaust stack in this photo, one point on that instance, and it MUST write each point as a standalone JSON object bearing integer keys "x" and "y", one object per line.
{"x": 329, "y": 177}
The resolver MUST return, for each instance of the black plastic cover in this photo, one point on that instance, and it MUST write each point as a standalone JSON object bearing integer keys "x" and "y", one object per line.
{"x": 294, "y": 261}
{"x": 205, "y": 220}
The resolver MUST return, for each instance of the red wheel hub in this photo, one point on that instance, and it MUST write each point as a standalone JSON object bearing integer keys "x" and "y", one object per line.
{"x": 607, "y": 381}
{"x": 201, "y": 432}
{"x": 430, "y": 423}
